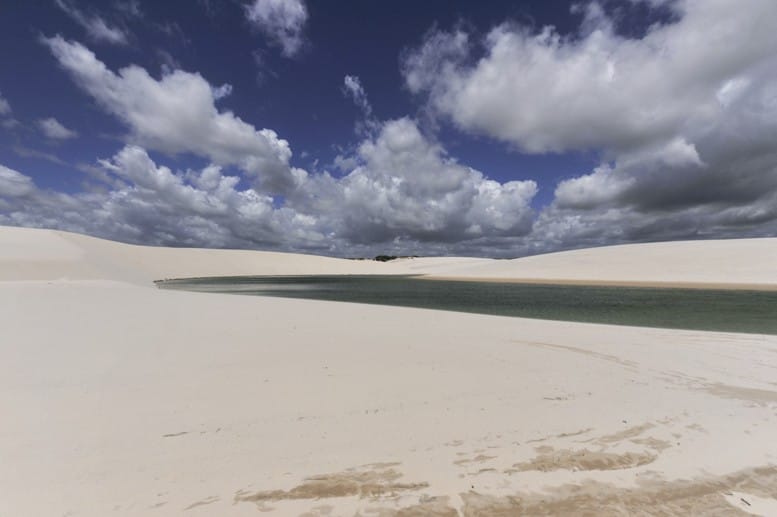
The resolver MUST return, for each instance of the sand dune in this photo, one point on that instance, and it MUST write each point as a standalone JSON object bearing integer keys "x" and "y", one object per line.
{"x": 721, "y": 263}
{"x": 121, "y": 399}
{"x": 32, "y": 254}
{"x": 49, "y": 255}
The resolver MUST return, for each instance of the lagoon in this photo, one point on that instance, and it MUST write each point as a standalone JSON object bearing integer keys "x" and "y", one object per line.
{"x": 699, "y": 309}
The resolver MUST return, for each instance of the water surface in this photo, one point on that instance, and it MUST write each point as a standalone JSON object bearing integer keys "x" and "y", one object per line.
{"x": 701, "y": 309}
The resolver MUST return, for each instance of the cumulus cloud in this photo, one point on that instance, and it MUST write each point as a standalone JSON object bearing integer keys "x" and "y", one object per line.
{"x": 282, "y": 21}
{"x": 719, "y": 180}
{"x": 14, "y": 184}
{"x": 713, "y": 178}
{"x": 149, "y": 203}
{"x": 543, "y": 91}
{"x": 720, "y": 167}
{"x": 671, "y": 164}
{"x": 96, "y": 27}
{"x": 405, "y": 187}
{"x": 401, "y": 185}
{"x": 54, "y": 130}
{"x": 177, "y": 113}
{"x": 683, "y": 117}
{"x": 405, "y": 193}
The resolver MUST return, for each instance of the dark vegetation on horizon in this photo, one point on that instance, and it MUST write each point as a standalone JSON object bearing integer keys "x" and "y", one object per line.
{"x": 385, "y": 258}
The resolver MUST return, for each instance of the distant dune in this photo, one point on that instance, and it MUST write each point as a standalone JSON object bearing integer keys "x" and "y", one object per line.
{"x": 32, "y": 254}
{"x": 118, "y": 398}
{"x": 712, "y": 263}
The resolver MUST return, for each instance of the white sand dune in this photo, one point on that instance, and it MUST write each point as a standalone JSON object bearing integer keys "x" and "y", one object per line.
{"x": 121, "y": 399}
{"x": 32, "y": 254}
{"x": 721, "y": 263}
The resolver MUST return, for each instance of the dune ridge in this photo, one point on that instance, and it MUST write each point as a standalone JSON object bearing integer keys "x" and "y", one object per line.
{"x": 33, "y": 254}
{"x": 734, "y": 263}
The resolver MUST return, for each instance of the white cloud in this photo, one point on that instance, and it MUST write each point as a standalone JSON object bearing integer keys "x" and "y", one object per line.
{"x": 720, "y": 182}
{"x": 177, "y": 114}
{"x": 406, "y": 187}
{"x": 675, "y": 161}
{"x": 684, "y": 118}
{"x": 280, "y": 20}
{"x": 14, "y": 184}
{"x": 54, "y": 130}
{"x": 96, "y": 27}
{"x": 219, "y": 92}
{"x": 439, "y": 58}
{"x": 149, "y": 203}
{"x": 400, "y": 186}
{"x": 542, "y": 91}
{"x": 352, "y": 87}
{"x": 6, "y": 119}
{"x": 5, "y": 108}
{"x": 404, "y": 193}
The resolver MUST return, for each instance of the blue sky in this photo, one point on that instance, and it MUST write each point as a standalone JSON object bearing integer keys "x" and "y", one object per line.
{"x": 357, "y": 127}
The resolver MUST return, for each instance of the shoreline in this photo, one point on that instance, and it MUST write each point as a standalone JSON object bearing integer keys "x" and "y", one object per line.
{"x": 712, "y": 286}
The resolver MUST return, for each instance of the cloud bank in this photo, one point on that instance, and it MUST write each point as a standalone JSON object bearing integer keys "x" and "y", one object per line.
{"x": 405, "y": 193}
{"x": 401, "y": 189}
{"x": 684, "y": 118}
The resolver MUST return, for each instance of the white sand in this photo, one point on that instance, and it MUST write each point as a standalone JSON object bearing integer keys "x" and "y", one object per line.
{"x": 750, "y": 263}
{"x": 120, "y": 399}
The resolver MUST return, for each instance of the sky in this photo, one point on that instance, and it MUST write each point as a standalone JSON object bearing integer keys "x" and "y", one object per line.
{"x": 356, "y": 127}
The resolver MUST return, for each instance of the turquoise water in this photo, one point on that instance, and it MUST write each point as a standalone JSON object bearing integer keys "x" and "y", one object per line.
{"x": 720, "y": 310}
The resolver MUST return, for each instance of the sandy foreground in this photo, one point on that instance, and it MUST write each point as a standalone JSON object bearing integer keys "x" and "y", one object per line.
{"x": 117, "y": 398}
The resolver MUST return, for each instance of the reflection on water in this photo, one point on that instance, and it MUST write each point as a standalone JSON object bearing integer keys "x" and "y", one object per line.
{"x": 722, "y": 310}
